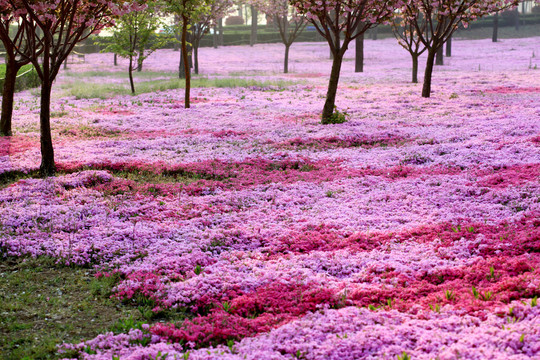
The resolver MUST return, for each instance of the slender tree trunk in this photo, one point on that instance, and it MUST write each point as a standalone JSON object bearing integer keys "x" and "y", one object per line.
{"x": 215, "y": 38}
{"x": 359, "y": 58}
{"x": 374, "y": 32}
{"x": 115, "y": 59}
{"x": 449, "y": 46}
{"x": 220, "y": 28}
{"x": 286, "y": 61}
{"x": 439, "y": 57}
{"x": 426, "y": 89}
{"x": 12, "y": 68}
{"x": 47, "y": 167}
{"x": 130, "y": 72}
{"x": 184, "y": 52}
{"x": 329, "y": 105}
{"x": 414, "y": 68}
{"x": 253, "y": 38}
{"x": 140, "y": 60}
{"x": 196, "y": 58}
{"x": 495, "y": 34}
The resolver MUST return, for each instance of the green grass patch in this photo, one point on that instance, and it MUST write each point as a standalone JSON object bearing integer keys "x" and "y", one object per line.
{"x": 9, "y": 177}
{"x": 43, "y": 305}
{"x": 119, "y": 74}
{"x": 85, "y": 90}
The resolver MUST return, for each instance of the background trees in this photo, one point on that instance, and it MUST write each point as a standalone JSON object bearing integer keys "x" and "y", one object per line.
{"x": 436, "y": 21}
{"x": 132, "y": 37}
{"x": 287, "y": 19}
{"x": 218, "y": 10}
{"x": 188, "y": 12}
{"x": 408, "y": 37}
{"x": 340, "y": 22}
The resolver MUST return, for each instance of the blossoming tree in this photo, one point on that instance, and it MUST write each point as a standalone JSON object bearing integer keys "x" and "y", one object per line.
{"x": 289, "y": 22}
{"x": 188, "y": 12}
{"x": 340, "y": 22}
{"x": 218, "y": 10}
{"x": 52, "y": 29}
{"x": 407, "y": 36}
{"x": 13, "y": 43}
{"x": 436, "y": 20}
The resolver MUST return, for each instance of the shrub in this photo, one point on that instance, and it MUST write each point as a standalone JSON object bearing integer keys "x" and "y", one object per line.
{"x": 338, "y": 117}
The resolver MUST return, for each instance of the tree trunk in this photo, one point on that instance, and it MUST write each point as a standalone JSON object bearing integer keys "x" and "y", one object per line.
{"x": 329, "y": 105}
{"x": 439, "y": 58}
{"x": 196, "y": 58}
{"x": 220, "y": 28}
{"x": 359, "y": 59}
{"x": 286, "y": 62}
{"x": 449, "y": 46}
{"x": 215, "y": 38}
{"x": 517, "y": 19}
{"x": 414, "y": 68}
{"x": 184, "y": 52}
{"x": 130, "y": 72}
{"x": 374, "y": 32}
{"x": 426, "y": 89}
{"x": 115, "y": 59}
{"x": 47, "y": 167}
{"x": 12, "y": 68}
{"x": 495, "y": 35}
{"x": 181, "y": 68}
{"x": 253, "y": 38}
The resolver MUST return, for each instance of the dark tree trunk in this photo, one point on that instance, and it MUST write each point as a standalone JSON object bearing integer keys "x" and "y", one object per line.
{"x": 184, "y": 52}
{"x": 253, "y": 38}
{"x": 414, "y": 68}
{"x": 495, "y": 34}
{"x": 220, "y": 28}
{"x": 374, "y": 32}
{"x": 196, "y": 58}
{"x": 426, "y": 89}
{"x": 449, "y": 46}
{"x": 139, "y": 63}
{"x": 47, "y": 167}
{"x": 181, "y": 68}
{"x": 12, "y": 68}
{"x": 359, "y": 59}
{"x": 215, "y": 38}
{"x": 286, "y": 61}
{"x": 130, "y": 72}
{"x": 115, "y": 59}
{"x": 329, "y": 105}
{"x": 439, "y": 58}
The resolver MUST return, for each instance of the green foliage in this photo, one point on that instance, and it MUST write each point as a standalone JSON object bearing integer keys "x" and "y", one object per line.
{"x": 133, "y": 35}
{"x": 337, "y": 117}
{"x": 27, "y": 77}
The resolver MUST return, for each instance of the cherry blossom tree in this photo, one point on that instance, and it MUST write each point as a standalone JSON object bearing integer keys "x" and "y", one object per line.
{"x": 436, "y": 20}
{"x": 289, "y": 22}
{"x": 188, "y": 12}
{"x": 407, "y": 36}
{"x": 52, "y": 28}
{"x": 340, "y": 22}
{"x": 218, "y": 10}
{"x": 14, "y": 42}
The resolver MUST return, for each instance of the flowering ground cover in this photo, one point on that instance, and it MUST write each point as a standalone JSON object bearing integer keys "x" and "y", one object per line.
{"x": 412, "y": 230}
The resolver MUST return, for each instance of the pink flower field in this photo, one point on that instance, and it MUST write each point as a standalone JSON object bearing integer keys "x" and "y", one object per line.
{"x": 411, "y": 230}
